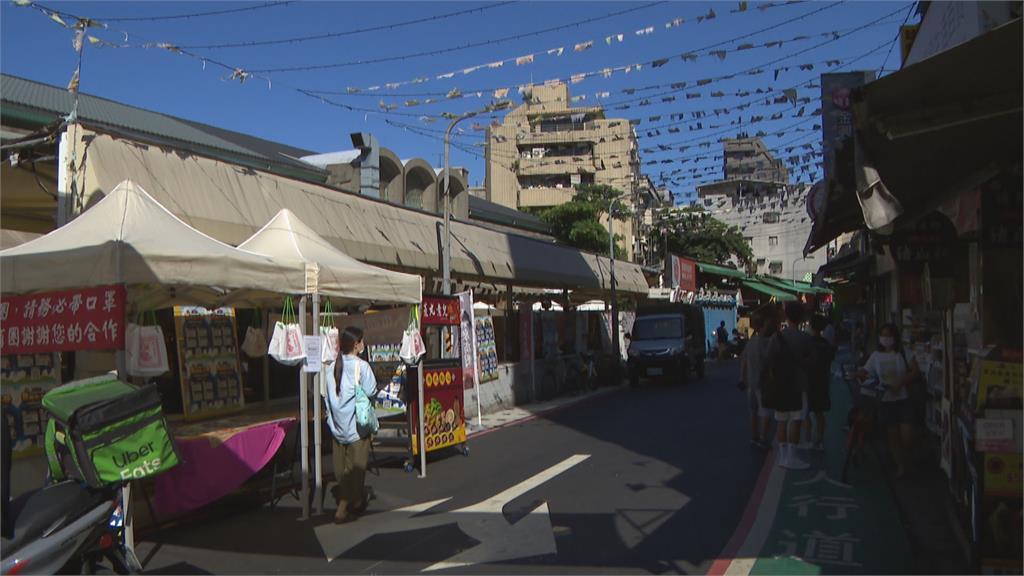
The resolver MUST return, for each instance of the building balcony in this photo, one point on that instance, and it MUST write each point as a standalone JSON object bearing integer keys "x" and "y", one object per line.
{"x": 556, "y": 165}
{"x": 544, "y": 196}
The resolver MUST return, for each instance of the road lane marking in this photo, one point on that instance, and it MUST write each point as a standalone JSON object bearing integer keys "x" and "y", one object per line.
{"x": 483, "y": 521}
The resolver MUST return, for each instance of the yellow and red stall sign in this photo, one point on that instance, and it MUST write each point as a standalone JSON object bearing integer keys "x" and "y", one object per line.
{"x": 443, "y": 415}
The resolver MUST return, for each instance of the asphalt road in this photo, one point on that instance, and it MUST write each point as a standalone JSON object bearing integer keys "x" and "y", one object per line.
{"x": 648, "y": 480}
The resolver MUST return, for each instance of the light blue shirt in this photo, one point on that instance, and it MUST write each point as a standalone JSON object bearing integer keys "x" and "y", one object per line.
{"x": 341, "y": 410}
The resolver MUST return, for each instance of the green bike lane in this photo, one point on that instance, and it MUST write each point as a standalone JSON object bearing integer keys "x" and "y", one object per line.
{"x": 808, "y": 522}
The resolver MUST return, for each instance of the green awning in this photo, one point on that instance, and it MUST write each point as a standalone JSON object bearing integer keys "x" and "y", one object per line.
{"x": 721, "y": 270}
{"x": 794, "y": 286}
{"x": 769, "y": 290}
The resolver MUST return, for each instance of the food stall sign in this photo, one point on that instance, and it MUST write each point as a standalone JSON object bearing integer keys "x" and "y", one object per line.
{"x": 82, "y": 319}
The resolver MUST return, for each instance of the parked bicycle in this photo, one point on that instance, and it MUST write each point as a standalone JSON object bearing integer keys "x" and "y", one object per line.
{"x": 862, "y": 418}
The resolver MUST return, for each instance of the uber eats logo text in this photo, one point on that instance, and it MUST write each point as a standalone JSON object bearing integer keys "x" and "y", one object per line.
{"x": 134, "y": 463}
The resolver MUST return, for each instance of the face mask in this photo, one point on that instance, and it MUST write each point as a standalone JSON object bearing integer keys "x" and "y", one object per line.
{"x": 886, "y": 341}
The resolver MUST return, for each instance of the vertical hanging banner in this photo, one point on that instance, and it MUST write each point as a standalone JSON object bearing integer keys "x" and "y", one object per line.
{"x": 684, "y": 274}
{"x": 466, "y": 324}
{"x": 84, "y": 319}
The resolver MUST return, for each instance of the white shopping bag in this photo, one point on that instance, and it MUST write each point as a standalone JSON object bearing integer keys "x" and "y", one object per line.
{"x": 329, "y": 344}
{"x": 145, "y": 351}
{"x": 413, "y": 347}
{"x": 286, "y": 344}
{"x": 255, "y": 343}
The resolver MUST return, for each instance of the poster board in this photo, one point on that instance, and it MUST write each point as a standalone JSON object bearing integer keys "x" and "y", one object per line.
{"x": 382, "y": 335}
{"x": 26, "y": 378}
{"x": 486, "y": 349}
{"x": 211, "y": 382}
{"x": 442, "y": 403}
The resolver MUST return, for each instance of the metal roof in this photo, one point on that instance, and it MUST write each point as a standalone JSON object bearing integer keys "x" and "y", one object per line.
{"x": 56, "y": 102}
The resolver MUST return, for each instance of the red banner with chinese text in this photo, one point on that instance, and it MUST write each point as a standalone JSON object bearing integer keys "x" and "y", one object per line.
{"x": 84, "y": 319}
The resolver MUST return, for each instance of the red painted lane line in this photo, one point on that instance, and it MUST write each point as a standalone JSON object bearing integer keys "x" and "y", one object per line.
{"x": 719, "y": 566}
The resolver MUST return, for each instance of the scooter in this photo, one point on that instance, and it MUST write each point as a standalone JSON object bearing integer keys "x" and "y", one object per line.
{"x": 65, "y": 527}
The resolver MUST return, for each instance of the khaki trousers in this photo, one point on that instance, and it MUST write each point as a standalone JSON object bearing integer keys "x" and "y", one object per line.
{"x": 350, "y": 461}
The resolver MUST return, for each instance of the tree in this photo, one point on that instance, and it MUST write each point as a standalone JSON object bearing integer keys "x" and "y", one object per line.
{"x": 578, "y": 221}
{"x": 694, "y": 233}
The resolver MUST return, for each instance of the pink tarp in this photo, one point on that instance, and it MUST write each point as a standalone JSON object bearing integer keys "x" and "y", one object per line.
{"x": 215, "y": 465}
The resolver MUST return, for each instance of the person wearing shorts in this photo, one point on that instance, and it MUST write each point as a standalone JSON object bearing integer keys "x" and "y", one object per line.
{"x": 819, "y": 378}
{"x": 751, "y": 369}
{"x": 890, "y": 366}
{"x": 788, "y": 354}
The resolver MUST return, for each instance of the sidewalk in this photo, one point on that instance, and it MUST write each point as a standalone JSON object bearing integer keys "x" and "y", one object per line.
{"x": 808, "y": 522}
{"x": 502, "y": 418}
{"x": 800, "y": 522}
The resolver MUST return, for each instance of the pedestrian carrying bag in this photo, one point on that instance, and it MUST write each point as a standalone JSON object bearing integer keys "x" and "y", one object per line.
{"x": 286, "y": 345}
{"x": 145, "y": 349}
{"x": 366, "y": 417}
{"x": 105, "y": 431}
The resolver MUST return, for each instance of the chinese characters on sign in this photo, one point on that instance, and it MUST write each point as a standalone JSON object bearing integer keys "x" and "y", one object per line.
{"x": 85, "y": 319}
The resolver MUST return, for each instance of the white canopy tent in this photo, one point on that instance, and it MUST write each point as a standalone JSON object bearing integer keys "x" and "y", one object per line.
{"x": 341, "y": 277}
{"x": 129, "y": 238}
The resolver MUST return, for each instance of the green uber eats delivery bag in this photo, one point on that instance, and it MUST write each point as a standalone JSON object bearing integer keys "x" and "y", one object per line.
{"x": 105, "y": 431}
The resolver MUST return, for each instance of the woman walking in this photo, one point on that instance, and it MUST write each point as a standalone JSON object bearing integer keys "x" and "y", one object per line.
{"x": 351, "y": 445}
{"x": 890, "y": 367}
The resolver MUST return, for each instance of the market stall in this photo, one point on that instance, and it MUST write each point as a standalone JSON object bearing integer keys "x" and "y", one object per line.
{"x": 124, "y": 255}
{"x": 346, "y": 281}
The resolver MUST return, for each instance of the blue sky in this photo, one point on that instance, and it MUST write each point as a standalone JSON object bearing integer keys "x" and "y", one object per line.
{"x": 270, "y": 104}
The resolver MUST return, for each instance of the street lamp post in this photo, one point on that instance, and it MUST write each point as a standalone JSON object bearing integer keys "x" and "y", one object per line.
{"x": 446, "y": 269}
{"x": 611, "y": 270}
{"x": 792, "y": 270}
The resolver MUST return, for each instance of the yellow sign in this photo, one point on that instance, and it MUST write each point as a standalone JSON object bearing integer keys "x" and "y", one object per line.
{"x": 1001, "y": 384}
{"x": 1003, "y": 475}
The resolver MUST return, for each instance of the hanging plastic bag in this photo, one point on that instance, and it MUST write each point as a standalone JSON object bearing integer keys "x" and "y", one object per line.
{"x": 328, "y": 336}
{"x": 286, "y": 345}
{"x": 145, "y": 349}
{"x": 255, "y": 343}
{"x": 413, "y": 347}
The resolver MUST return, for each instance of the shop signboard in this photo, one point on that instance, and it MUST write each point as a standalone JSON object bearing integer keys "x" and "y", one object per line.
{"x": 443, "y": 416}
{"x": 837, "y": 122}
{"x": 486, "y": 349}
{"x": 684, "y": 274}
{"x": 468, "y": 338}
{"x": 26, "y": 377}
{"x": 993, "y": 435}
{"x": 1001, "y": 385}
{"x": 1002, "y": 476}
{"x": 83, "y": 319}
{"x": 211, "y": 382}
{"x": 443, "y": 412}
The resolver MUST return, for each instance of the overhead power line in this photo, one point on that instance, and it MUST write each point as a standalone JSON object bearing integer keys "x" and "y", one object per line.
{"x": 353, "y": 32}
{"x": 194, "y": 14}
{"x": 451, "y": 49}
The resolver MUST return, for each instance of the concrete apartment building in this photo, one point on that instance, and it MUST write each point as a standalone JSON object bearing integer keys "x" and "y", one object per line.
{"x": 545, "y": 147}
{"x": 756, "y": 197}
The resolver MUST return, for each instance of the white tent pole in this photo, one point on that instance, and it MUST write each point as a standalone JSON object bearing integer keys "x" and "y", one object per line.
{"x": 421, "y": 424}
{"x": 304, "y": 418}
{"x": 318, "y": 476}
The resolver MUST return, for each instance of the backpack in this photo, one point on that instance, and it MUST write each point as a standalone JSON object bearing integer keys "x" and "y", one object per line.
{"x": 779, "y": 376}
{"x": 366, "y": 417}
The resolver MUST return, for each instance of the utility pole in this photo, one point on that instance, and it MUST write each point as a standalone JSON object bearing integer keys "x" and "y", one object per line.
{"x": 446, "y": 269}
